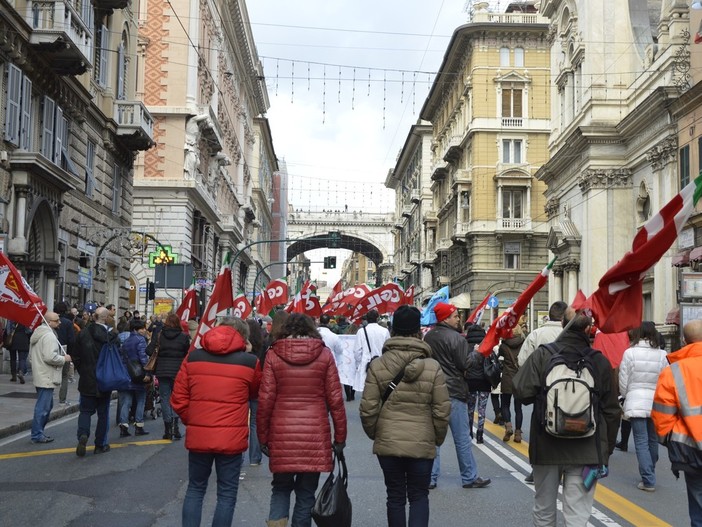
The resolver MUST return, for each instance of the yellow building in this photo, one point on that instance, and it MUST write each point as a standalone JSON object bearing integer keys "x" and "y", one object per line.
{"x": 489, "y": 108}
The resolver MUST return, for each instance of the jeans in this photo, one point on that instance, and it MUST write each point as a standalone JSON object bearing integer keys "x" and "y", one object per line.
{"x": 507, "y": 416}
{"x": 693, "y": 482}
{"x": 458, "y": 422}
{"x": 646, "y": 443}
{"x": 481, "y": 399}
{"x": 577, "y": 500}
{"x": 125, "y": 405}
{"x": 255, "y": 455}
{"x": 42, "y": 409}
{"x": 228, "y": 468}
{"x": 165, "y": 387}
{"x": 305, "y": 485}
{"x": 21, "y": 356}
{"x": 88, "y": 406}
{"x": 407, "y": 479}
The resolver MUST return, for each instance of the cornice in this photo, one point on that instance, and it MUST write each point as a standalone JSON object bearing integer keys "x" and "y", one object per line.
{"x": 603, "y": 178}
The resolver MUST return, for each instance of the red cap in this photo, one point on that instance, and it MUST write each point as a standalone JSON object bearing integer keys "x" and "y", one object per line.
{"x": 443, "y": 311}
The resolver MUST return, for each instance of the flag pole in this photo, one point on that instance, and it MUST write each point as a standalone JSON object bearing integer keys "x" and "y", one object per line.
{"x": 52, "y": 331}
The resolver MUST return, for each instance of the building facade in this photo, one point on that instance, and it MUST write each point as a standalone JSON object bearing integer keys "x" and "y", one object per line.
{"x": 72, "y": 126}
{"x": 490, "y": 115}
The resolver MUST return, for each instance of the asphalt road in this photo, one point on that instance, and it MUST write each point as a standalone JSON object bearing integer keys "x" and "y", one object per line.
{"x": 142, "y": 483}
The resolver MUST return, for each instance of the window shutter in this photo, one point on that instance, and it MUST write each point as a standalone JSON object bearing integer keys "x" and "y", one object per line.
{"x": 89, "y": 170}
{"x": 506, "y": 103}
{"x": 116, "y": 188}
{"x": 12, "y": 115}
{"x": 26, "y": 118}
{"x": 47, "y": 130}
{"x": 104, "y": 36}
{"x": 517, "y": 151}
{"x": 121, "y": 95}
{"x": 517, "y": 103}
{"x": 506, "y": 157}
{"x": 58, "y": 136}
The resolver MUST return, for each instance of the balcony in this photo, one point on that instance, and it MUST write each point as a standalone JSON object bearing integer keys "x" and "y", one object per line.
{"x": 416, "y": 196}
{"x": 514, "y": 224}
{"x": 512, "y": 122}
{"x": 459, "y": 232}
{"x": 414, "y": 257}
{"x": 439, "y": 171}
{"x": 453, "y": 149}
{"x": 407, "y": 211}
{"x": 135, "y": 126}
{"x": 61, "y": 35}
{"x": 444, "y": 244}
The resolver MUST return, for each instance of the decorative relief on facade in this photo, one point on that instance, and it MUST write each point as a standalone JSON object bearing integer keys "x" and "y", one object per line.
{"x": 551, "y": 207}
{"x": 681, "y": 64}
{"x": 663, "y": 153}
{"x": 601, "y": 178}
{"x": 552, "y": 31}
{"x": 154, "y": 157}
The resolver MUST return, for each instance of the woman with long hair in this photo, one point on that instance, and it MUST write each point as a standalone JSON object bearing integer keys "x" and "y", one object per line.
{"x": 300, "y": 389}
{"x": 641, "y": 365}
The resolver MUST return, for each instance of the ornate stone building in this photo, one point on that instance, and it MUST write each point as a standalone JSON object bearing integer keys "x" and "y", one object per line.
{"x": 71, "y": 127}
{"x": 195, "y": 190}
{"x": 489, "y": 109}
{"x": 617, "y": 73}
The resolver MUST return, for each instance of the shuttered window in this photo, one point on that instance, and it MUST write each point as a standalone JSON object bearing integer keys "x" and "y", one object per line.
{"x": 90, "y": 170}
{"x": 47, "y": 128}
{"x": 12, "y": 113}
{"x": 26, "y": 124}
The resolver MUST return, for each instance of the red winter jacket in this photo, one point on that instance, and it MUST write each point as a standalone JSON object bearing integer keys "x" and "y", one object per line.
{"x": 300, "y": 382}
{"x": 212, "y": 391}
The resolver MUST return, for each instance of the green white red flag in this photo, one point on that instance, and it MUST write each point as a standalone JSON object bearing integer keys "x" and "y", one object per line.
{"x": 617, "y": 305}
{"x": 17, "y": 300}
{"x": 502, "y": 326}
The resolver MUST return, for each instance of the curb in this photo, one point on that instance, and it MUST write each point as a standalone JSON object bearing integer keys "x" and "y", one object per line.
{"x": 27, "y": 425}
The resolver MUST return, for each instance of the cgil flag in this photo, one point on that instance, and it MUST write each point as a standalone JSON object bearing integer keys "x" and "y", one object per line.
{"x": 345, "y": 301}
{"x": 428, "y": 315}
{"x": 502, "y": 326}
{"x": 338, "y": 288}
{"x": 476, "y": 316}
{"x": 408, "y": 297}
{"x": 188, "y": 307}
{"x": 221, "y": 299}
{"x": 275, "y": 293}
{"x": 242, "y": 307}
{"x": 304, "y": 302}
{"x": 617, "y": 305}
{"x": 18, "y": 302}
{"x": 384, "y": 299}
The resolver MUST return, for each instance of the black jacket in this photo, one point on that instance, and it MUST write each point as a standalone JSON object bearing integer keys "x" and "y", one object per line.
{"x": 173, "y": 348}
{"x": 86, "y": 351}
{"x": 450, "y": 349}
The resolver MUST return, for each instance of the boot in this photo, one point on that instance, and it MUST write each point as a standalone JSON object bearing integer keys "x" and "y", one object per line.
{"x": 479, "y": 437}
{"x": 508, "y": 432}
{"x": 139, "y": 431}
{"x": 13, "y": 378}
{"x": 176, "y": 430}
{"x": 498, "y": 418}
{"x": 168, "y": 433}
{"x": 124, "y": 430}
{"x": 283, "y": 522}
{"x": 517, "y": 436}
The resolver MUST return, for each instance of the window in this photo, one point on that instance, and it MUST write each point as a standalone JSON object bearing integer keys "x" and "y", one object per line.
{"x": 684, "y": 166}
{"x": 116, "y": 189}
{"x": 512, "y": 200}
{"x": 102, "y": 35}
{"x": 47, "y": 127}
{"x": 90, "y": 170}
{"x": 18, "y": 111}
{"x": 512, "y": 251}
{"x": 512, "y": 151}
{"x": 511, "y": 103}
{"x": 518, "y": 57}
{"x": 504, "y": 57}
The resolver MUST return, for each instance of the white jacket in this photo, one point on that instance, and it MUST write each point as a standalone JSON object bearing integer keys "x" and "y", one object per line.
{"x": 543, "y": 335}
{"x": 638, "y": 375}
{"x": 47, "y": 357}
{"x": 377, "y": 335}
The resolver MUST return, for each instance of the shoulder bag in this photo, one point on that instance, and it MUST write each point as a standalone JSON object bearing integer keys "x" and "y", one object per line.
{"x": 151, "y": 365}
{"x": 332, "y": 506}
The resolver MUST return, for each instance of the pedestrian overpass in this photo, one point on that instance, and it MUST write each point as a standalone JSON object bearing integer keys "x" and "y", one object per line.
{"x": 366, "y": 233}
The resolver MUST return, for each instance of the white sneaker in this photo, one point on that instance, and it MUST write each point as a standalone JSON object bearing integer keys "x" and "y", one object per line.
{"x": 643, "y": 487}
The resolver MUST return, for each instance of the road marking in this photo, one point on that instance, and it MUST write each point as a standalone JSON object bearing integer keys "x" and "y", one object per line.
{"x": 605, "y": 496}
{"x": 56, "y": 451}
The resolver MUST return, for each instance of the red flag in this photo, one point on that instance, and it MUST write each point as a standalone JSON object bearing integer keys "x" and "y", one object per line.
{"x": 344, "y": 302}
{"x": 221, "y": 299}
{"x": 188, "y": 307}
{"x": 275, "y": 294}
{"x": 383, "y": 299}
{"x": 477, "y": 313}
{"x": 617, "y": 304}
{"x": 338, "y": 288}
{"x": 17, "y": 300}
{"x": 502, "y": 326}
{"x": 304, "y": 302}
{"x": 242, "y": 307}
{"x": 612, "y": 346}
{"x": 408, "y": 297}
{"x": 580, "y": 301}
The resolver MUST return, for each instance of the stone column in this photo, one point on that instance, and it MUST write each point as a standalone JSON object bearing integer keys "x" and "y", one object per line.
{"x": 572, "y": 272}
{"x": 557, "y": 293}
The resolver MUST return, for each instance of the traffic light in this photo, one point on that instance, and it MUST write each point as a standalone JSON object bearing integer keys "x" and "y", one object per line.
{"x": 151, "y": 294}
{"x": 330, "y": 262}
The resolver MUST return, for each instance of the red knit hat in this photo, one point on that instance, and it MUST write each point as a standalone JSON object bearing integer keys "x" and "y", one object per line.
{"x": 443, "y": 311}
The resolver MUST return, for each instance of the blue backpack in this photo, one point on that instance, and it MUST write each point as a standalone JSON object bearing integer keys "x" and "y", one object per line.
{"x": 111, "y": 372}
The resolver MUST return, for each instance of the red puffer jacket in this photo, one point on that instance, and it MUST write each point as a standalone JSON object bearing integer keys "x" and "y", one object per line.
{"x": 212, "y": 391}
{"x": 300, "y": 382}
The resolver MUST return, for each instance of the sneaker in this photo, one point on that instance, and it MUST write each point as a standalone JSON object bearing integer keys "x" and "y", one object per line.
{"x": 478, "y": 483}
{"x": 432, "y": 486}
{"x": 530, "y": 478}
{"x": 80, "y": 449}
{"x": 621, "y": 446}
{"x": 255, "y": 464}
{"x": 643, "y": 487}
{"x": 101, "y": 449}
{"x": 45, "y": 439}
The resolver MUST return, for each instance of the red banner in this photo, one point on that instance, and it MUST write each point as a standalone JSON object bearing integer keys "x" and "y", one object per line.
{"x": 242, "y": 307}
{"x": 17, "y": 300}
{"x": 385, "y": 299}
{"x": 344, "y": 302}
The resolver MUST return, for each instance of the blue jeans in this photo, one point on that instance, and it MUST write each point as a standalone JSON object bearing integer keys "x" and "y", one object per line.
{"x": 165, "y": 387}
{"x": 305, "y": 485}
{"x": 693, "y": 482}
{"x": 228, "y": 468}
{"x": 42, "y": 409}
{"x": 646, "y": 443}
{"x": 88, "y": 406}
{"x": 255, "y": 455}
{"x": 125, "y": 405}
{"x": 458, "y": 422}
{"x": 507, "y": 416}
{"x": 407, "y": 479}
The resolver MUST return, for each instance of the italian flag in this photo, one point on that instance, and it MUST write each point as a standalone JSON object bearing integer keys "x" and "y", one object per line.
{"x": 617, "y": 305}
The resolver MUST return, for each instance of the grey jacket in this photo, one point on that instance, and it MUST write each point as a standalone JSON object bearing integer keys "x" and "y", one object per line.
{"x": 414, "y": 419}
{"x": 450, "y": 349}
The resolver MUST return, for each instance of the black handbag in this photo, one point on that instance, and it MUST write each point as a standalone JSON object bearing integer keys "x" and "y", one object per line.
{"x": 332, "y": 507}
{"x": 136, "y": 371}
{"x": 492, "y": 367}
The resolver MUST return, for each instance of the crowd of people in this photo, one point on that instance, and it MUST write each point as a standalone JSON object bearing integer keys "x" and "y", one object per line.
{"x": 276, "y": 387}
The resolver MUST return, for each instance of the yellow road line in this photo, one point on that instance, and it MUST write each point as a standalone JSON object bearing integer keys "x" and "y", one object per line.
{"x": 605, "y": 496}
{"x": 37, "y": 453}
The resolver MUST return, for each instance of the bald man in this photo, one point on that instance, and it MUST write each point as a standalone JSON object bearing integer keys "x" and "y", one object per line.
{"x": 89, "y": 343}
{"x": 677, "y": 405}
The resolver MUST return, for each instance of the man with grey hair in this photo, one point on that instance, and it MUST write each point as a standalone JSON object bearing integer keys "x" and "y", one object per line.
{"x": 87, "y": 349}
{"x": 239, "y": 325}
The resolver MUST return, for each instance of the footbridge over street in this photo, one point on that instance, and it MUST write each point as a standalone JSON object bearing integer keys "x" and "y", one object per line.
{"x": 363, "y": 232}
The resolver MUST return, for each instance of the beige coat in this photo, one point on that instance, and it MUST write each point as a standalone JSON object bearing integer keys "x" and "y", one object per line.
{"x": 414, "y": 419}
{"x": 47, "y": 358}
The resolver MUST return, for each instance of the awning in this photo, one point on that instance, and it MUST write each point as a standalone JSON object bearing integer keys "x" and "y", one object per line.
{"x": 696, "y": 254}
{"x": 461, "y": 301}
{"x": 673, "y": 316}
{"x": 681, "y": 259}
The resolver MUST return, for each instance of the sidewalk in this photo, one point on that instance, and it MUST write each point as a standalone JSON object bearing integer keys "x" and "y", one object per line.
{"x": 17, "y": 404}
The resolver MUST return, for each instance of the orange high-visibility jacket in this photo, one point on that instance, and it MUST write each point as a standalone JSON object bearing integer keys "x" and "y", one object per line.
{"x": 677, "y": 408}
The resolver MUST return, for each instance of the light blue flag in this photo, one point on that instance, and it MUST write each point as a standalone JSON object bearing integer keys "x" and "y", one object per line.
{"x": 428, "y": 315}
